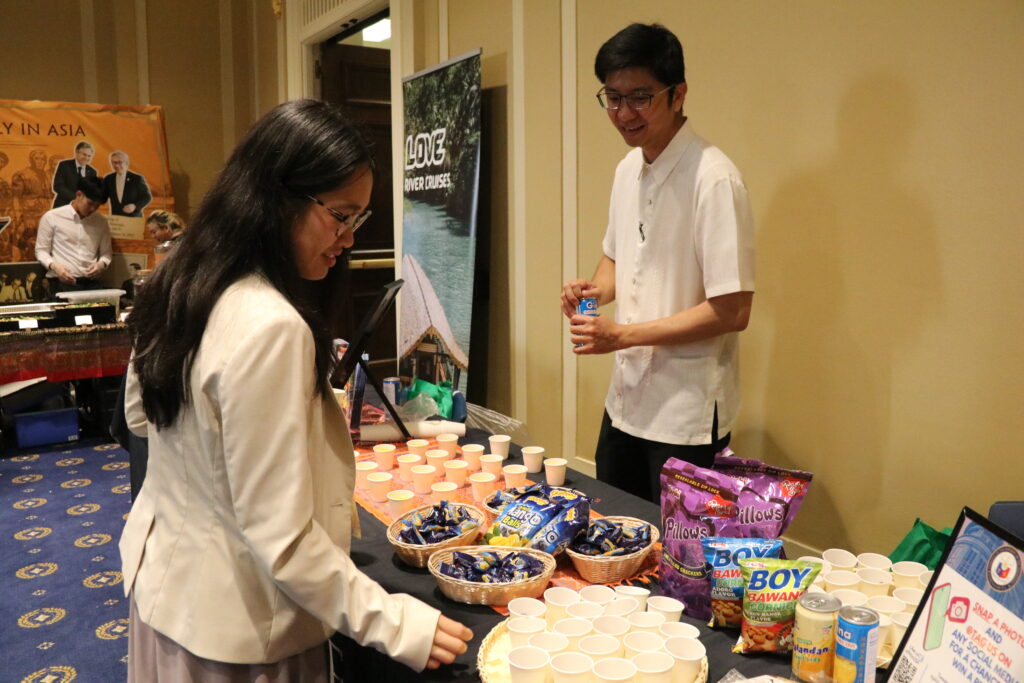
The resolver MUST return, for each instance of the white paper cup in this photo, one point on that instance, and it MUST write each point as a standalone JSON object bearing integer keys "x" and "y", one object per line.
{"x": 442, "y": 490}
{"x": 491, "y": 463}
{"x": 597, "y": 593}
{"x": 647, "y": 621}
{"x": 678, "y": 629}
{"x": 499, "y": 444}
{"x": 571, "y": 667}
{"x": 614, "y": 669}
{"x": 574, "y": 629}
{"x": 363, "y": 468}
{"x": 611, "y": 626}
{"x": 422, "y": 477}
{"x": 554, "y": 471}
{"x": 910, "y": 597}
{"x": 905, "y": 574}
{"x": 438, "y": 457}
{"x": 601, "y": 646}
{"x": 637, "y": 593}
{"x": 670, "y": 607}
{"x": 533, "y": 458}
{"x": 923, "y": 578}
{"x": 526, "y": 607}
{"x": 885, "y": 604}
{"x": 874, "y": 581}
{"x": 380, "y": 484}
{"x": 653, "y": 667}
{"x": 622, "y": 607}
{"x": 405, "y": 464}
{"x": 884, "y": 627}
{"x": 838, "y": 579}
{"x": 552, "y": 643}
{"x": 558, "y": 599}
{"x": 823, "y": 566}
{"x": 515, "y": 476}
{"x": 688, "y": 654}
{"x": 448, "y": 442}
{"x": 521, "y": 628}
{"x": 483, "y": 485}
{"x": 471, "y": 453}
{"x": 873, "y": 561}
{"x": 840, "y": 559}
{"x": 400, "y": 501}
{"x": 384, "y": 454}
{"x": 528, "y": 665}
{"x": 455, "y": 471}
{"x": 850, "y": 597}
{"x": 584, "y": 610}
{"x": 900, "y": 623}
{"x": 417, "y": 446}
{"x": 638, "y": 642}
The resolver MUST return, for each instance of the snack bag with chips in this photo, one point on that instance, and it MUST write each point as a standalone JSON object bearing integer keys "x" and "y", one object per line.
{"x": 543, "y": 517}
{"x": 771, "y": 590}
{"x": 723, "y": 556}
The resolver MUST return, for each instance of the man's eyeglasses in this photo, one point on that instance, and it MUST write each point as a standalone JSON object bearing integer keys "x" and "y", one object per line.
{"x": 635, "y": 101}
{"x": 349, "y": 221}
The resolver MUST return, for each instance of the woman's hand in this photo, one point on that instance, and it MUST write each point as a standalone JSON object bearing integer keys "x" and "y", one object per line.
{"x": 575, "y": 290}
{"x": 449, "y": 642}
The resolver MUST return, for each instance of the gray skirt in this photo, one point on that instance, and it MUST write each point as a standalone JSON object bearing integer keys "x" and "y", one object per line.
{"x": 155, "y": 658}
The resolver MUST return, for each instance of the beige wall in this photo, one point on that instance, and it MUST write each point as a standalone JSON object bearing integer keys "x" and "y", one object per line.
{"x": 89, "y": 51}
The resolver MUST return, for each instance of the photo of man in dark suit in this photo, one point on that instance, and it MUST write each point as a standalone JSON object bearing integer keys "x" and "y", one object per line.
{"x": 65, "y": 178}
{"x": 127, "y": 192}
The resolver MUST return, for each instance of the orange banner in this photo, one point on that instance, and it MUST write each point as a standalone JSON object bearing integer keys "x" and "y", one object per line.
{"x": 37, "y": 151}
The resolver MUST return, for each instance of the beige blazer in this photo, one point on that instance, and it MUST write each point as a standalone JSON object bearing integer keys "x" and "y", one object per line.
{"x": 237, "y": 546}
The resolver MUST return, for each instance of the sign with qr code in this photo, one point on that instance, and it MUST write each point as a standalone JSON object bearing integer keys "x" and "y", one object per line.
{"x": 969, "y": 625}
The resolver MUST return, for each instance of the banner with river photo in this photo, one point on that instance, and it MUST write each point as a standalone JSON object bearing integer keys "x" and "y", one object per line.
{"x": 439, "y": 242}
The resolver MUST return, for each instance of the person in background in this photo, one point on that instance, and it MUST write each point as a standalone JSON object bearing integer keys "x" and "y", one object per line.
{"x": 679, "y": 262}
{"x": 127, "y": 191}
{"x": 164, "y": 226}
{"x": 65, "y": 177}
{"x": 235, "y": 551}
{"x": 73, "y": 242}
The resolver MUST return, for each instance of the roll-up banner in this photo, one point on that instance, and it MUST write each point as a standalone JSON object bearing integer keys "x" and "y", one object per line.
{"x": 439, "y": 231}
{"x": 38, "y": 166}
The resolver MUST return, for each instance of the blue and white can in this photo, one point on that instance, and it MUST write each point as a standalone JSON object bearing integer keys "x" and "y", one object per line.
{"x": 586, "y": 306}
{"x": 392, "y": 389}
{"x": 856, "y": 650}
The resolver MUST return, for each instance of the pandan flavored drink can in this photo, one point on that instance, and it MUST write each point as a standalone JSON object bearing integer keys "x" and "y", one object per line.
{"x": 814, "y": 636}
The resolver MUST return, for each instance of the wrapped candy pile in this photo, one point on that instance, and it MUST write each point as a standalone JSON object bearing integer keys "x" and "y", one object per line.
{"x": 443, "y": 522}
{"x": 490, "y": 567}
{"x": 607, "y": 538}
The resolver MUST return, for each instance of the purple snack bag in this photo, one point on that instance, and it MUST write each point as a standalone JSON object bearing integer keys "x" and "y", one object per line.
{"x": 743, "y": 499}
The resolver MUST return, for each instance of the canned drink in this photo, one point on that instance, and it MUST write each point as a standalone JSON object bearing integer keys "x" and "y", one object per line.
{"x": 856, "y": 645}
{"x": 586, "y": 306}
{"x": 392, "y": 389}
{"x": 814, "y": 635}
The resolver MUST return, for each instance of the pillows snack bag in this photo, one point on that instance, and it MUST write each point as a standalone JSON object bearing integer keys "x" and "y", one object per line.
{"x": 771, "y": 590}
{"x": 744, "y": 499}
{"x": 543, "y": 517}
{"x": 723, "y": 556}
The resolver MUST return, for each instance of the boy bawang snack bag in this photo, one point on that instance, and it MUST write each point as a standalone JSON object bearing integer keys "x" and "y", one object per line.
{"x": 543, "y": 517}
{"x": 739, "y": 498}
{"x": 723, "y": 556}
{"x": 771, "y": 590}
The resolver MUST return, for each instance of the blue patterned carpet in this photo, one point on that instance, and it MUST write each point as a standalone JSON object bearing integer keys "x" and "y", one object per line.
{"x": 63, "y": 615}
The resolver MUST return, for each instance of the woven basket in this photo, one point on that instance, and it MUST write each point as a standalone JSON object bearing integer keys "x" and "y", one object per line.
{"x": 491, "y": 507}
{"x": 417, "y": 555}
{"x": 473, "y": 593}
{"x": 615, "y": 568}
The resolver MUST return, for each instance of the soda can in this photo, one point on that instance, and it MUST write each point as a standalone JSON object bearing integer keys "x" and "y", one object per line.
{"x": 814, "y": 635}
{"x": 392, "y": 389}
{"x": 586, "y": 306}
{"x": 856, "y": 645}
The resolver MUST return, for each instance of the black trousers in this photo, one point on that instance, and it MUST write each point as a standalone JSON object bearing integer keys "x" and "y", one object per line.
{"x": 634, "y": 464}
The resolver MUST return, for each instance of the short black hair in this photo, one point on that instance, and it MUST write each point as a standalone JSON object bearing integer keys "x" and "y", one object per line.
{"x": 84, "y": 143}
{"x": 92, "y": 188}
{"x": 649, "y": 46}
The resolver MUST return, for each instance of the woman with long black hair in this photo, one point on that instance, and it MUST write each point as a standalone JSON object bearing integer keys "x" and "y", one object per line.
{"x": 235, "y": 552}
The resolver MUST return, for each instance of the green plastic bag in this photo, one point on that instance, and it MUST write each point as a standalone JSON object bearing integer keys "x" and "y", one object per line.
{"x": 922, "y": 544}
{"x": 442, "y": 395}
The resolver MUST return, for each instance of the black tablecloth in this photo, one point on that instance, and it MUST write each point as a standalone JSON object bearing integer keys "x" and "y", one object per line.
{"x": 374, "y": 555}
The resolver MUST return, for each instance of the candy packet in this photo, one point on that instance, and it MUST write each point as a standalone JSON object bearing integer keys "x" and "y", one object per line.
{"x": 607, "y": 538}
{"x": 543, "y": 517}
{"x": 771, "y": 588}
{"x": 723, "y": 556}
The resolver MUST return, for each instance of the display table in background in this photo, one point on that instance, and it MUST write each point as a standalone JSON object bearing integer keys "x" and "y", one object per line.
{"x": 375, "y": 556}
{"x": 64, "y": 353}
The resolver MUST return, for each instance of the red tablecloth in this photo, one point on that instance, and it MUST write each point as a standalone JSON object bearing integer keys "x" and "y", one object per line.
{"x": 64, "y": 353}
